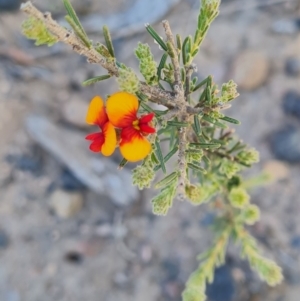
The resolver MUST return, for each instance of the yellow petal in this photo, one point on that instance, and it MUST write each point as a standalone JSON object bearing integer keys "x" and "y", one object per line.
{"x": 110, "y": 139}
{"x": 121, "y": 108}
{"x": 96, "y": 112}
{"x": 136, "y": 148}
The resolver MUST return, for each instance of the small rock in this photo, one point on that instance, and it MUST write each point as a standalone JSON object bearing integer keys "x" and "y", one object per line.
{"x": 295, "y": 242}
{"x": 4, "y": 241}
{"x": 5, "y": 174}
{"x": 291, "y": 103}
{"x": 277, "y": 170}
{"x": 104, "y": 230}
{"x": 208, "y": 219}
{"x": 290, "y": 268}
{"x": 67, "y": 181}
{"x": 121, "y": 280}
{"x": 250, "y": 69}
{"x": 285, "y": 26}
{"x": 172, "y": 269}
{"x": 74, "y": 257}
{"x": 74, "y": 113}
{"x": 146, "y": 253}
{"x": 66, "y": 204}
{"x": 24, "y": 162}
{"x": 223, "y": 286}
{"x": 6, "y": 5}
{"x": 292, "y": 66}
{"x": 285, "y": 144}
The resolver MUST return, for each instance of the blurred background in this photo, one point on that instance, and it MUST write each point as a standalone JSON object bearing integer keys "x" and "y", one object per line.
{"x": 72, "y": 227}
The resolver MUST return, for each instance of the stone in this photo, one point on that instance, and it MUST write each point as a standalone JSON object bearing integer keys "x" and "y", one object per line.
{"x": 284, "y": 26}
{"x": 285, "y": 144}
{"x": 171, "y": 268}
{"x": 8, "y": 5}
{"x": 4, "y": 240}
{"x": 74, "y": 113}
{"x": 6, "y": 173}
{"x": 295, "y": 242}
{"x": 277, "y": 170}
{"x": 292, "y": 66}
{"x": 26, "y": 162}
{"x": 66, "y": 204}
{"x": 74, "y": 257}
{"x": 250, "y": 70}
{"x": 291, "y": 103}
{"x": 223, "y": 286}
{"x": 130, "y": 20}
{"x": 98, "y": 173}
{"x": 67, "y": 181}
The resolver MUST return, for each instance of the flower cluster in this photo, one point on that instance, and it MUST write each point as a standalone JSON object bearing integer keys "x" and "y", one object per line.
{"x": 120, "y": 125}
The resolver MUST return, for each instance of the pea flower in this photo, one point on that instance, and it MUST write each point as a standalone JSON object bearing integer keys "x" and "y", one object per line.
{"x": 122, "y": 108}
{"x": 104, "y": 141}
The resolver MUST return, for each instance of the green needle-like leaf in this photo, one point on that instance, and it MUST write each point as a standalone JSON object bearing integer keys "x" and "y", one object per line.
{"x": 160, "y": 155}
{"x": 108, "y": 40}
{"x": 95, "y": 80}
{"x": 156, "y": 37}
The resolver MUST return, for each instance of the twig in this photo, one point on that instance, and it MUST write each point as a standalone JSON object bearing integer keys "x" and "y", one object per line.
{"x": 189, "y": 72}
{"x": 178, "y": 87}
{"x": 155, "y": 94}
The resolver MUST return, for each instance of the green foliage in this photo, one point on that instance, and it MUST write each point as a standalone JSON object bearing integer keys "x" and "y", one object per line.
{"x": 35, "y": 29}
{"x": 148, "y": 67}
{"x": 73, "y": 20}
{"x": 248, "y": 157}
{"x": 143, "y": 175}
{"x": 229, "y": 91}
{"x": 229, "y": 168}
{"x": 251, "y": 214}
{"x": 164, "y": 200}
{"x": 108, "y": 41}
{"x": 127, "y": 80}
{"x": 95, "y": 80}
{"x": 268, "y": 270}
{"x": 214, "y": 257}
{"x": 209, "y": 157}
{"x": 238, "y": 197}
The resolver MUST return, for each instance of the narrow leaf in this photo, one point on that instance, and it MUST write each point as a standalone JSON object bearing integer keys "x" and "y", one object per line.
{"x": 196, "y": 167}
{"x": 184, "y": 50}
{"x": 197, "y": 125}
{"x": 172, "y": 177}
{"x": 178, "y": 123}
{"x": 162, "y": 64}
{"x": 231, "y": 120}
{"x": 206, "y": 160}
{"x": 154, "y": 159}
{"x": 122, "y": 163}
{"x": 200, "y": 85}
{"x": 167, "y": 157}
{"x": 170, "y": 50}
{"x": 71, "y": 12}
{"x": 108, "y": 40}
{"x": 207, "y": 145}
{"x": 95, "y": 80}
{"x": 160, "y": 155}
{"x": 156, "y": 37}
{"x": 179, "y": 42}
{"x": 83, "y": 37}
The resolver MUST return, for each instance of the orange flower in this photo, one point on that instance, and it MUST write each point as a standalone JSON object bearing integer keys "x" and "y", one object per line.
{"x": 122, "y": 111}
{"x": 104, "y": 141}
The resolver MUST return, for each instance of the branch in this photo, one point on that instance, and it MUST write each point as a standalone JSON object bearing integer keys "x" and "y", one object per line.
{"x": 155, "y": 94}
{"x": 178, "y": 87}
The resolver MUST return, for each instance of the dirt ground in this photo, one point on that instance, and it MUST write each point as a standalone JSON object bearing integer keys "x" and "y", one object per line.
{"x": 102, "y": 251}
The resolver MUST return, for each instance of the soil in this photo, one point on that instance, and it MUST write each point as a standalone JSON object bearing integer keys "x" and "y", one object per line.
{"x": 110, "y": 253}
